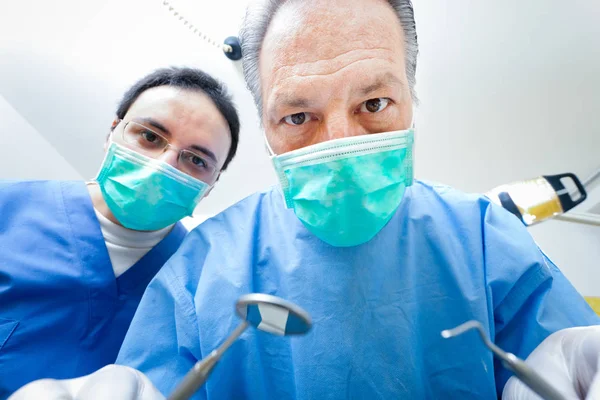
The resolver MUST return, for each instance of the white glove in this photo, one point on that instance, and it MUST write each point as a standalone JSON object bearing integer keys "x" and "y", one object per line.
{"x": 567, "y": 359}
{"x": 115, "y": 382}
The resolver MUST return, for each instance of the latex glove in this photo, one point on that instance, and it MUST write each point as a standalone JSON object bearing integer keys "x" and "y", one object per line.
{"x": 568, "y": 359}
{"x": 115, "y": 382}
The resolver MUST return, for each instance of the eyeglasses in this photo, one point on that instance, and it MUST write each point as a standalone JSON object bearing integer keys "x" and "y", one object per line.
{"x": 153, "y": 144}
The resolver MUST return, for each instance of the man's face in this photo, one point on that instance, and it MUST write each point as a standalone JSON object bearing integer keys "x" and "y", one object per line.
{"x": 187, "y": 119}
{"x": 329, "y": 70}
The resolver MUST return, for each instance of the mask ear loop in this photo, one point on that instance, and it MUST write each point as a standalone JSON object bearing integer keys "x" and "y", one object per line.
{"x": 112, "y": 132}
{"x": 94, "y": 180}
{"x": 271, "y": 152}
{"x": 413, "y": 125}
{"x": 280, "y": 175}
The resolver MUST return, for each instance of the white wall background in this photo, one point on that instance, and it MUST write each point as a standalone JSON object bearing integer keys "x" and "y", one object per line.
{"x": 508, "y": 90}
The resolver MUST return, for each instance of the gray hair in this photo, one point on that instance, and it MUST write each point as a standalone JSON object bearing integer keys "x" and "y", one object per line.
{"x": 257, "y": 22}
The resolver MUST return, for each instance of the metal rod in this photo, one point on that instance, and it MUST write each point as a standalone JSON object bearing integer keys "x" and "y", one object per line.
{"x": 232, "y": 338}
{"x": 195, "y": 378}
{"x": 467, "y": 326}
{"x": 521, "y": 370}
{"x": 580, "y": 218}
{"x": 200, "y": 372}
{"x": 592, "y": 178}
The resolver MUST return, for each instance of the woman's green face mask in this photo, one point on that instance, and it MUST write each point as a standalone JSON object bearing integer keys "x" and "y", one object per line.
{"x": 145, "y": 194}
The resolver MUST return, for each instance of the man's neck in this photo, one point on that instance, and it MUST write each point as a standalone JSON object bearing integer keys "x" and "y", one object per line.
{"x": 99, "y": 203}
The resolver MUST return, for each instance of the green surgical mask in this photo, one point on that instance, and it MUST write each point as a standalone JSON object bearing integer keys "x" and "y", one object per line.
{"x": 346, "y": 190}
{"x": 145, "y": 194}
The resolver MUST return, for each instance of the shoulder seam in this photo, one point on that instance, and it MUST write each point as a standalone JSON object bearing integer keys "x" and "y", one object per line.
{"x": 185, "y": 298}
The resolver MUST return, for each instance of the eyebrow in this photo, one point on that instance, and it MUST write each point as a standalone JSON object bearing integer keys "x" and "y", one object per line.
{"x": 154, "y": 123}
{"x": 163, "y": 129}
{"x": 288, "y": 101}
{"x": 206, "y": 151}
{"x": 296, "y": 102}
{"x": 386, "y": 80}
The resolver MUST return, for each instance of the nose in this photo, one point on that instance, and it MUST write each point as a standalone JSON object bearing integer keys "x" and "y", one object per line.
{"x": 169, "y": 156}
{"x": 341, "y": 126}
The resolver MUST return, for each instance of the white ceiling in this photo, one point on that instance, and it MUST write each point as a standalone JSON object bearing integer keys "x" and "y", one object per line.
{"x": 508, "y": 90}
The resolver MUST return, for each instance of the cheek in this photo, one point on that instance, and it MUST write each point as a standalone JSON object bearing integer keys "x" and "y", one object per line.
{"x": 273, "y": 141}
{"x": 118, "y": 139}
{"x": 283, "y": 139}
{"x": 401, "y": 117}
{"x": 394, "y": 119}
{"x": 408, "y": 114}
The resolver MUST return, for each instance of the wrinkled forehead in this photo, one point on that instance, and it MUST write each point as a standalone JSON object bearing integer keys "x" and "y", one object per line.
{"x": 319, "y": 37}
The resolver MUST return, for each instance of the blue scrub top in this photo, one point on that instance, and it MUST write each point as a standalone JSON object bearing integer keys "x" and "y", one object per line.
{"x": 63, "y": 313}
{"x": 378, "y": 308}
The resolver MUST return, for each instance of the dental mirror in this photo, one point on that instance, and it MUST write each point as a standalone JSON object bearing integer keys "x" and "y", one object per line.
{"x": 272, "y": 314}
{"x": 266, "y": 313}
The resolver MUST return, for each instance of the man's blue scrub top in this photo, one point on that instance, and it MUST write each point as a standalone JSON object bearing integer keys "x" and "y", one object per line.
{"x": 378, "y": 308}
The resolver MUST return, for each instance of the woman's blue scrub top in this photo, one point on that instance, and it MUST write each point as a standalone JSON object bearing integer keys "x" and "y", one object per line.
{"x": 63, "y": 313}
{"x": 378, "y": 309}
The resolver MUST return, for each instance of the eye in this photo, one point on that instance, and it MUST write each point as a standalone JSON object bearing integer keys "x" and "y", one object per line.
{"x": 150, "y": 140}
{"x": 150, "y": 137}
{"x": 193, "y": 160}
{"x": 374, "y": 105}
{"x": 297, "y": 119}
{"x": 197, "y": 161}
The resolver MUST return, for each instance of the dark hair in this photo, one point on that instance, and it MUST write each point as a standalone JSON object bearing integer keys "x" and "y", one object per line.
{"x": 190, "y": 79}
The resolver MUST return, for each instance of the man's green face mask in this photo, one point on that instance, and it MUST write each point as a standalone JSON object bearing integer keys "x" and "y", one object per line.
{"x": 346, "y": 190}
